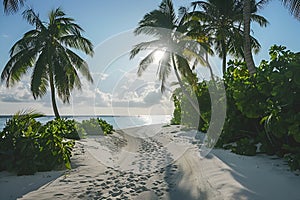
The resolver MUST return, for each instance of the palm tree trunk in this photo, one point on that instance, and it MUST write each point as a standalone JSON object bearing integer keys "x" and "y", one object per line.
{"x": 196, "y": 107}
{"x": 247, "y": 44}
{"x": 52, "y": 89}
{"x": 224, "y": 63}
{"x": 224, "y": 56}
{"x": 209, "y": 67}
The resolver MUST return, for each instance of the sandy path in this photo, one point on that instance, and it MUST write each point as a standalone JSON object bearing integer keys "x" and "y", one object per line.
{"x": 147, "y": 162}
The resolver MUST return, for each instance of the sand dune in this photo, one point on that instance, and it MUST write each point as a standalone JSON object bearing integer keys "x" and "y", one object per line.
{"x": 155, "y": 162}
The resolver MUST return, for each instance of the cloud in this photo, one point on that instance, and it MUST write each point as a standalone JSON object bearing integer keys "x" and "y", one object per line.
{"x": 99, "y": 76}
{"x": 153, "y": 97}
{"x": 4, "y": 35}
{"x": 19, "y": 93}
{"x": 102, "y": 99}
{"x": 145, "y": 96}
{"x": 115, "y": 88}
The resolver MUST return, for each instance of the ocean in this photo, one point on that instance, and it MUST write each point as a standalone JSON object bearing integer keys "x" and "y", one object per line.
{"x": 118, "y": 122}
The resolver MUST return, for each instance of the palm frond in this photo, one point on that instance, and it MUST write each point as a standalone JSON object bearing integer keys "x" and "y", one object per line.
{"x": 28, "y": 113}
{"x": 39, "y": 78}
{"x": 293, "y": 6}
{"x": 79, "y": 64}
{"x": 11, "y": 6}
{"x": 145, "y": 62}
{"x": 164, "y": 70}
{"x": 263, "y": 22}
{"x": 78, "y": 42}
{"x": 255, "y": 44}
{"x": 145, "y": 46}
{"x": 17, "y": 66}
{"x": 260, "y": 4}
{"x": 33, "y": 18}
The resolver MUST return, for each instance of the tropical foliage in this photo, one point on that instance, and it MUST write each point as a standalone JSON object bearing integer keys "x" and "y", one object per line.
{"x": 166, "y": 27}
{"x": 27, "y": 146}
{"x": 266, "y": 118}
{"x": 292, "y": 5}
{"x": 221, "y": 22}
{"x": 47, "y": 51}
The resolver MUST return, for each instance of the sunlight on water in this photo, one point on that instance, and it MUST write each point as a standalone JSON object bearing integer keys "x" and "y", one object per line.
{"x": 119, "y": 122}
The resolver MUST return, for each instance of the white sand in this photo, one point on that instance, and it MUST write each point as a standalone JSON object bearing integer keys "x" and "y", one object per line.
{"x": 162, "y": 164}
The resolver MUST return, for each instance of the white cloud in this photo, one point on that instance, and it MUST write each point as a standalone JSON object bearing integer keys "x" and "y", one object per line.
{"x": 19, "y": 93}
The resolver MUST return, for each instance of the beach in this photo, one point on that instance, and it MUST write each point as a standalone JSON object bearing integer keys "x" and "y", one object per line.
{"x": 155, "y": 162}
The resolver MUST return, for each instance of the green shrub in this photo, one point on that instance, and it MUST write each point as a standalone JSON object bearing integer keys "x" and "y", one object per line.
{"x": 244, "y": 146}
{"x": 96, "y": 126}
{"x": 19, "y": 143}
{"x": 26, "y": 146}
{"x": 55, "y": 148}
{"x": 106, "y": 127}
{"x": 185, "y": 114}
{"x": 68, "y": 128}
{"x": 176, "y": 119}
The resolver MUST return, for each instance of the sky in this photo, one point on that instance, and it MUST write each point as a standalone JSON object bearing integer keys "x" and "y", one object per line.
{"x": 117, "y": 90}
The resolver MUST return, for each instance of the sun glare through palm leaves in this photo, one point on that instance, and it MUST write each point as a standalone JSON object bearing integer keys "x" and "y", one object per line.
{"x": 158, "y": 56}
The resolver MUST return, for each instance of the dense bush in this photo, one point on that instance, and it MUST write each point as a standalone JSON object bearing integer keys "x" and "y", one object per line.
{"x": 67, "y": 128}
{"x": 185, "y": 114}
{"x": 266, "y": 105}
{"x": 261, "y": 109}
{"x": 27, "y": 146}
{"x": 96, "y": 126}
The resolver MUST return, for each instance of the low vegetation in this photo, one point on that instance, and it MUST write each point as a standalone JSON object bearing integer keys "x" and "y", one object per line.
{"x": 27, "y": 146}
{"x": 96, "y": 126}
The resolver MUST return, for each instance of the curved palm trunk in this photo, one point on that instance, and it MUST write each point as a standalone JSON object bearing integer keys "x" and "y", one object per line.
{"x": 196, "y": 107}
{"x": 209, "y": 67}
{"x": 247, "y": 44}
{"x": 52, "y": 89}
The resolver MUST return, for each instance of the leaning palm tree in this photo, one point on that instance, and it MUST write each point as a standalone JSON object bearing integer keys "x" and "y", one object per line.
{"x": 292, "y": 5}
{"x": 249, "y": 7}
{"x": 222, "y": 20}
{"x": 11, "y": 6}
{"x": 167, "y": 30}
{"x": 47, "y": 50}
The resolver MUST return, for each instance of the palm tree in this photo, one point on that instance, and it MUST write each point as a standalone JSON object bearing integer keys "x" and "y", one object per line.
{"x": 222, "y": 21}
{"x": 46, "y": 49}
{"x": 248, "y": 7}
{"x": 168, "y": 31}
{"x": 292, "y": 5}
{"x": 11, "y": 6}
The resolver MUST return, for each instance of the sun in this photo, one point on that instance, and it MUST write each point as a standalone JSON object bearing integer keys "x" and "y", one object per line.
{"x": 158, "y": 55}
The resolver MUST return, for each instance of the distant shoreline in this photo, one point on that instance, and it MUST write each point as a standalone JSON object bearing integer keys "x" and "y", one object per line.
{"x": 6, "y": 116}
{"x": 118, "y": 121}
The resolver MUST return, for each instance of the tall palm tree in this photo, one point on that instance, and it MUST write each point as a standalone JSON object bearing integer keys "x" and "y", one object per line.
{"x": 222, "y": 20}
{"x": 167, "y": 30}
{"x": 11, "y": 6}
{"x": 292, "y": 5}
{"x": 248, "y": 7}
{"x": 46, "y": 49}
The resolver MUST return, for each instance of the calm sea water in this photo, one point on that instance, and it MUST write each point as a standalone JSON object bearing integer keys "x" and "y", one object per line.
{"x": 118, "y": 122}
